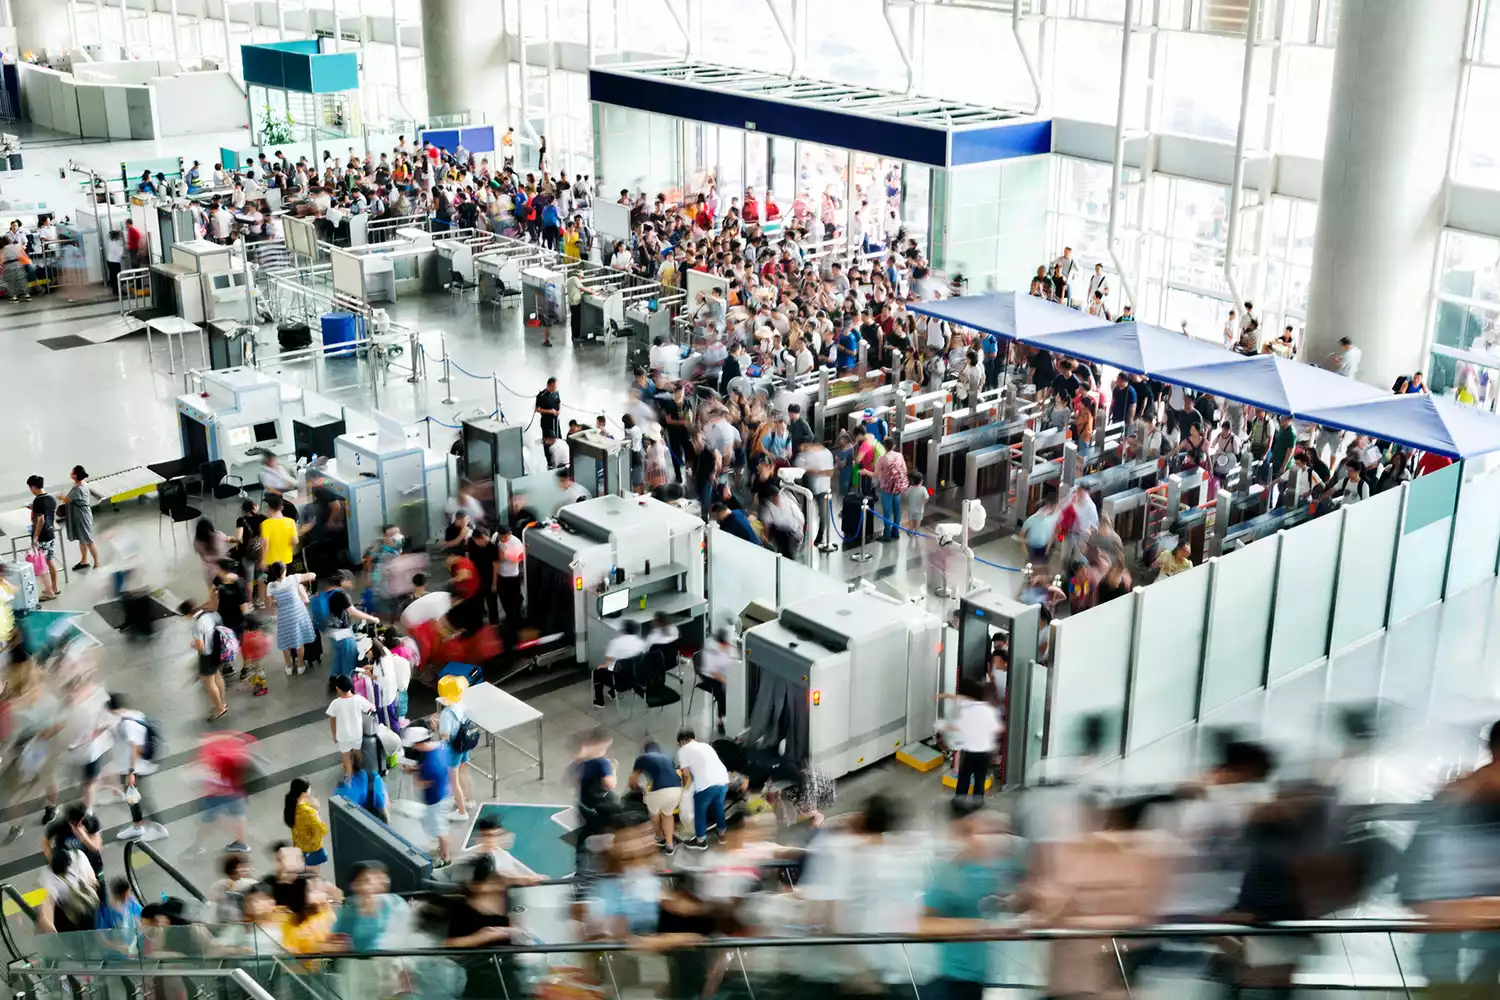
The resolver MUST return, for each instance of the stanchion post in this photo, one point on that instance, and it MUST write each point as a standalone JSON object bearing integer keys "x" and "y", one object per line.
{"x": 428, "y": 422}
{"x": 444, "y": 377}
{"x": 495, "y": 378}
{"x": 448, "y": 399}
{"x": 828, "y": 543}
{"x": 963, "y": 512}
{"x": 418, "y": 360}
{"x": 864, "y": 513}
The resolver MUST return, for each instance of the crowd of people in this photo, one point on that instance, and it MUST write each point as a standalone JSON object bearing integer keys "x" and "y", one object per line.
{"x": 1242, "y": 843}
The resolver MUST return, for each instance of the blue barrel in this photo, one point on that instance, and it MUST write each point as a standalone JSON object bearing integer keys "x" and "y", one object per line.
{"x": 339, "y": 328}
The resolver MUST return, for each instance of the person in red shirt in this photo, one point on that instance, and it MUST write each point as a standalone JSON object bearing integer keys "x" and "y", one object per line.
{"x": 135, "y": 243}
{"x": 752, "y": 207}
{"x": 464, "y": 577}
{"x": 1431, "y": 462}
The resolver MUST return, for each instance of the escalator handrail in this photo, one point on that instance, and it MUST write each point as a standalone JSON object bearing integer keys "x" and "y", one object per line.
{"x": 1001, "y": 932}
{"x": 239, "y": 977}
{"x": 8, "y": 891}
{"x": 162, "y": 863}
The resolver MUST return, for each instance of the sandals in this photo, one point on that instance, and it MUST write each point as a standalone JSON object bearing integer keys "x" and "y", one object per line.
{"x": 220, "y": 715}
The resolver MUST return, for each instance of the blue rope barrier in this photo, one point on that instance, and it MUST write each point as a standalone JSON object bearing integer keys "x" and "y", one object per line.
{"x": 920, "y": 534}
{"x": 451, "y": 427}
{"x": 463, "y": 371}
{"x": 833, "y": 523}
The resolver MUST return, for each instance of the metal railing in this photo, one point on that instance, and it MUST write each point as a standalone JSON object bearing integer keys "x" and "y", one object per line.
{"x": 131, "y": 846}
{"x": 239, "y": 977}
{"x": 133, "y": 290}
{"x": 11, "y": 893}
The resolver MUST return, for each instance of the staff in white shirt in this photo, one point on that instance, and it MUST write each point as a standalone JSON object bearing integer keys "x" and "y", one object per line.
{"x": 708, "y": 780}
{"x": 974, "y": 733}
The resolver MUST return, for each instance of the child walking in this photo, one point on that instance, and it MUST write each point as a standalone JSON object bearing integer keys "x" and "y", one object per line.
{"x": 300, "y": 813}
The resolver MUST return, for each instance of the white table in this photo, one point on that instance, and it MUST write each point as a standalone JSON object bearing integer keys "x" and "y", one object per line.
{"x": 15, "y": 527}
{"x": 495, "y": 712}
{"x": 176, "y": 326}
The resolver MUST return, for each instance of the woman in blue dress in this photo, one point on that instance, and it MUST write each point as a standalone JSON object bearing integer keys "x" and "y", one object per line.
{"x": 294, "y": 627}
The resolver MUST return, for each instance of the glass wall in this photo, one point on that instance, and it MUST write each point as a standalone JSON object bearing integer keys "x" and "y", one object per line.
{"x": 1177, "y": 256}
{"x": 1466, "y": 335}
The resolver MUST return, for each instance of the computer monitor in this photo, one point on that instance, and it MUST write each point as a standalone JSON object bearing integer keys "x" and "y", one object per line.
{"x": 240, "y": 437}
{"x": 267, "y": 431}
{"x": 613, "y": 603}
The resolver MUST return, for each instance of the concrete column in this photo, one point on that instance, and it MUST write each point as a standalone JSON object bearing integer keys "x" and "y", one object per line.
{"x": 464, "y": 57}
{"x": 41, "y": 26}
{"x": 1380, "y": 215}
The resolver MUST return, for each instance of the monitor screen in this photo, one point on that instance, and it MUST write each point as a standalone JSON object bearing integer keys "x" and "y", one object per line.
{"x": 267, "y": 431}
{"x": 239, "y": 437}
{"x": 614, "y": 603}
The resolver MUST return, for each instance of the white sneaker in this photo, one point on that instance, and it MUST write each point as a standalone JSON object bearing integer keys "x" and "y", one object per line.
{"x": 155, "y": 831}
{"x": 458, "y": 814}
{"x": 132, "y": 833}
{"x": 289, "y": 671}
{"x": 301, "y": 670}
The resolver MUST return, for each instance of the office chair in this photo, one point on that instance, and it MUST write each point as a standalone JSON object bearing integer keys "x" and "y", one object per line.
{"x": 171, "y": 500}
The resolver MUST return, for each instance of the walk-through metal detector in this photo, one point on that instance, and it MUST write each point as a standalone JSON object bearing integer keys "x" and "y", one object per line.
{"x": 982, "y": 615}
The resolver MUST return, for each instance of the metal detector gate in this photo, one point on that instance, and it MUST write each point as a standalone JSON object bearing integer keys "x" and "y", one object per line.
{"x": 982, "y": 615}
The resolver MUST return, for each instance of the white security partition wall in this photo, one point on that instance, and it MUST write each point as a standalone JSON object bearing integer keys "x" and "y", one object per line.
{"x": 1169, "y": 653}
{"x": 1091, "y": 666}
{"x": 738, "y": 572}
{"x": 1366, "y": 556}
{"x": 1239, "y": 628}
{"x": 1476, "y": 529}
{"x": 1263, "y": 637}
{"x": 1305, "y": 578}
{"x": 1422, "y": 550}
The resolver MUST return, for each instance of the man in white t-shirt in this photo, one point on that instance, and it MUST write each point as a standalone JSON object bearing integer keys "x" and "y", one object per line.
{"x": 974, "y": 732}
{"x": 132, "y": 743}
{"x": 222, "y": 223}
{"x": 818, "y": 461}
{"x": 346, "y": 720}
{"x": 626, "y": 646}
{"x": 512, "y": 556}
{"x": 708, "y": 780}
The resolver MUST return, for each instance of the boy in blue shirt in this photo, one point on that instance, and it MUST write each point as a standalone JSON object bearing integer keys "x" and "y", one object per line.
{"x": 432, "y": 778}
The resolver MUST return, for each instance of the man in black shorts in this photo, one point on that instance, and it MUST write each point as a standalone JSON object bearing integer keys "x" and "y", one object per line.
{"x": 43, "y": 534}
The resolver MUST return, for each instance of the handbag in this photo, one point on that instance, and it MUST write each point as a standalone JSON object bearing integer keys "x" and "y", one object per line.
{"x": 37, "y": 561}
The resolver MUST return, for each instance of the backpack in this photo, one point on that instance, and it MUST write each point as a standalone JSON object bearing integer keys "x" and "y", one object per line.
{"x": 227, "y": 643}
{"x": 465, "y": 737}
{"x": 152, "y": 746}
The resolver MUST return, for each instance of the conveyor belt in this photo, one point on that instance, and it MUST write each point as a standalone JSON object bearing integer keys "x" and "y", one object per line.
{"x": 127, "y": 484}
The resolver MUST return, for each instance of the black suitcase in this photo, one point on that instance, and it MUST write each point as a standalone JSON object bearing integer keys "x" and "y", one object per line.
{"x": 849, "y": 515}
{"x": 294, "y": 336}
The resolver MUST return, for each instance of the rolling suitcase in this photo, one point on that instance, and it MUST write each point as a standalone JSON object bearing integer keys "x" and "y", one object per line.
{"x": 22, "y": 579}
{"x": 849, "y": 526}
{"x": 294, "y": 336}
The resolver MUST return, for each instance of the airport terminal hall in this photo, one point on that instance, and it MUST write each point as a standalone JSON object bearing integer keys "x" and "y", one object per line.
{"x": 743, "y": 499}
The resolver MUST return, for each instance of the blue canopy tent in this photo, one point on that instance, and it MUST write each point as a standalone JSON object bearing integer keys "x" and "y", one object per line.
{"x": 1008, "y": 314}
{"x": 1138, "y": 348}
{"x": 1419, "y": 421}
{"x": 1275, "y": 384}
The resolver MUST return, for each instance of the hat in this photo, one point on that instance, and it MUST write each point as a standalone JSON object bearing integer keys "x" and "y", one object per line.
{"x": 869, "y": 417}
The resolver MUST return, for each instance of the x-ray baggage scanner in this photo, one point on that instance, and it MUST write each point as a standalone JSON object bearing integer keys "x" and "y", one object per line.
{"x": 609, "y": 559}
{"x": 842, "y": 681}
{"x": 239, "y": 409}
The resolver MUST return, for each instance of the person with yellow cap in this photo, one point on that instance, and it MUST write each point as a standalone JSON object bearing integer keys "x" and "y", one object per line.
{"x": 460, "y": 735}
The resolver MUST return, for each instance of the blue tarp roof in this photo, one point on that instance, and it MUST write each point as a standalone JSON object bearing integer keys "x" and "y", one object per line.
{"x": 1008, "y": 314}
{"x": 1138, "y": 348}
{"x": 1419, "y": 421}
{"x": 1275, "y": 384}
